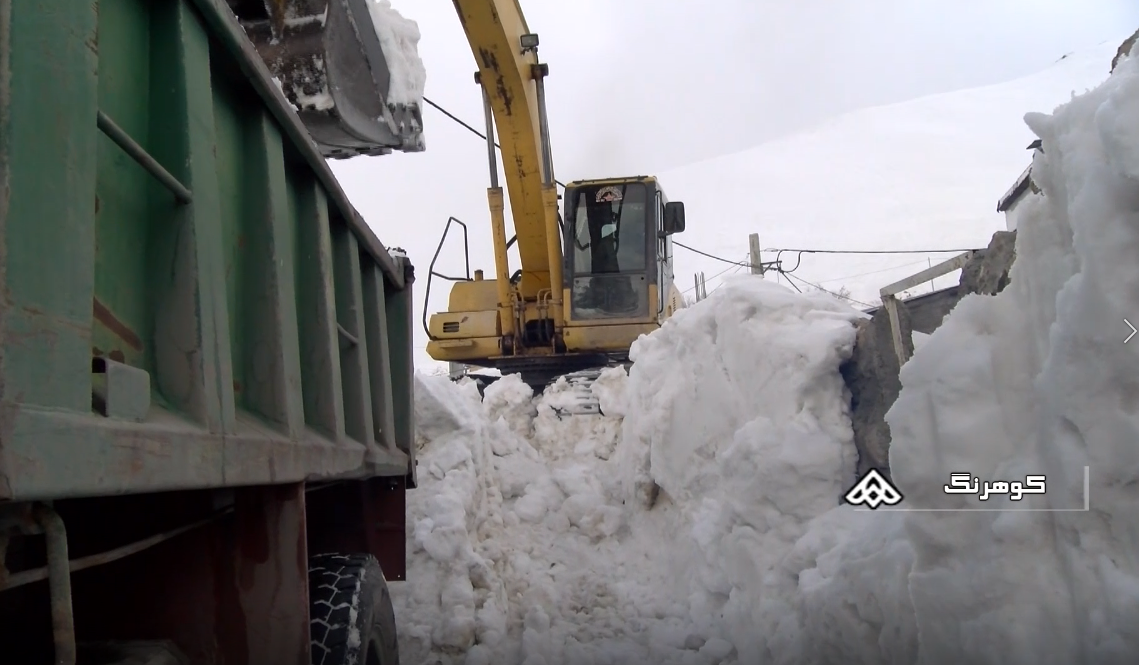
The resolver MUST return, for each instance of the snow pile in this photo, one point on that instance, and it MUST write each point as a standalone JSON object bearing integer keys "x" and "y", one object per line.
{"x": 399, "y": 39}
{"x": 1037, "y": 381}
{"x": 535, "y": 538}
{"x": 739, "y": 413}
{"x": 1033, "y": 381}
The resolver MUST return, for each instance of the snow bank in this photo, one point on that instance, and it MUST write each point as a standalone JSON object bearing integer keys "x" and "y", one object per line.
{"x": 399, "y": 39}
{"x": 533, "y": 539}
{"x": 739, "y": 413}
{"x": 1037, "y": 381}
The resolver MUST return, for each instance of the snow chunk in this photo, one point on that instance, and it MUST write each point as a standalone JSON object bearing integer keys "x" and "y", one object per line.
{"x": 399, "y": 39}
{"x": 721, "y": 387}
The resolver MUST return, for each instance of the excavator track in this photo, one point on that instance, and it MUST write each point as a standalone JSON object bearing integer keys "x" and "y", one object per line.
{"x": 578, "y": 400}
{"x": 584, "y": 400}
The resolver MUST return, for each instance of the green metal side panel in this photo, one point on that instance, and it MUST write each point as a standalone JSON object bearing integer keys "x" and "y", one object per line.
{"x": 50, "y": 149}
{"x": 123, "y": 190}
{"x": 400, "y": 308}
{"x": 273, "y": 325}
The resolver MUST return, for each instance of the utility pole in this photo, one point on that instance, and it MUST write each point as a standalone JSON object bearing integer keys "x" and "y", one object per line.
{"x": 756, "y": 262}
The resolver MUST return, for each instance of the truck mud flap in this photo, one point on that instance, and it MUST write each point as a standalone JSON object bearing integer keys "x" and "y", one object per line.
{"x": 328, "y": 60}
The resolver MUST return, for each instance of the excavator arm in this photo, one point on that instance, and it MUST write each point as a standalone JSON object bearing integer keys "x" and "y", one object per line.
{"x": 512, "y": 79}
{"x": 563, "y": 311}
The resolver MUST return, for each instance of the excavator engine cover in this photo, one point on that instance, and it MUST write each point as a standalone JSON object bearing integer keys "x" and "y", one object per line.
{"x": 328, "y": 60}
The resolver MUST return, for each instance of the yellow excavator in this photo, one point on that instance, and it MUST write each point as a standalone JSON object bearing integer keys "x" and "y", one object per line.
{"x": 563, "y": 310}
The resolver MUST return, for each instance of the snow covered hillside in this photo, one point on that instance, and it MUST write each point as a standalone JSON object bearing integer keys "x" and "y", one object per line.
{"x": 698, "y": 521}
{"x": 923, "y": 174}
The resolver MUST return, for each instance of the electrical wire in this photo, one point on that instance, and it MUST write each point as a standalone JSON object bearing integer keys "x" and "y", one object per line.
{"x": 473, "y": 130}
{"x": 872, "y": 272}
{"x": 837, "y": 295}
{"x": 737, "y": 269}
{"x": 873, "y": 251}
{"x": 711, "y": 256}
{"x": 692, "y": 288}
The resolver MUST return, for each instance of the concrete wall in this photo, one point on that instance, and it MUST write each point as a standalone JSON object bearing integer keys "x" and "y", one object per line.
{"x": 927, "y": 311}
{"x": 871, "y": 374}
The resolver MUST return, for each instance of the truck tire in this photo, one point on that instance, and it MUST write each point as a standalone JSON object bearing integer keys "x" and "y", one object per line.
{"x": 351, "y": 617}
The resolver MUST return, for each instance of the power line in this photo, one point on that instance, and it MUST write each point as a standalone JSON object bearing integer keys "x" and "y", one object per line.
{"x": 472, "y": 129}
{"x": 872, "y": 272}
{"x": 691, "y": 288}
{"x": 711, "y": 256}
{"x": 837, "y": 295}
{"x": 873, "y": 251}
{"x": 737, "y": 269}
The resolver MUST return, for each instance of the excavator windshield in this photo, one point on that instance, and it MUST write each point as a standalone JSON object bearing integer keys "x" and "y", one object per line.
{"x": 610, "y": 254}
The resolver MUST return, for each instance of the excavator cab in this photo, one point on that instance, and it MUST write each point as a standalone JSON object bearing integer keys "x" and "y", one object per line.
{"x": 618, "y": 257}
{"x": 330, "y": 62}
{"x": 617, "y": 284}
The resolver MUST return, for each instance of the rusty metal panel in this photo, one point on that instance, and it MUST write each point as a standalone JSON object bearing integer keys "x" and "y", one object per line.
{"x": 272, "y": 574}
{"x": 362, "y": 516}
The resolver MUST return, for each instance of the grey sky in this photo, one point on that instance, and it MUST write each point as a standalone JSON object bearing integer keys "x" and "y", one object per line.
{"x": 642, "y": 86}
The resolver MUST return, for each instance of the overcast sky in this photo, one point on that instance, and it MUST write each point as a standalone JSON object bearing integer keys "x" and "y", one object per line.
{"x": 642, "y": 86}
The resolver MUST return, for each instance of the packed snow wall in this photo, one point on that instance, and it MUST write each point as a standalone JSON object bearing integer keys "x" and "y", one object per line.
{"x": 1038, "y": 380}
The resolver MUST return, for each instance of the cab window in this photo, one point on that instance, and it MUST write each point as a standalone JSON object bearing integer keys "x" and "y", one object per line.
{"x": 608, "y": 228}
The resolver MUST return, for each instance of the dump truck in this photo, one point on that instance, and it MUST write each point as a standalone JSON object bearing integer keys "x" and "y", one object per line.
{"x": 206, "y": 418}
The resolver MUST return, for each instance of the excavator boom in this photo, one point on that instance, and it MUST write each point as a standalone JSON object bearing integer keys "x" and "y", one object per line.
{"x": 587, "y": 285}
{"x": 511, "y": 77}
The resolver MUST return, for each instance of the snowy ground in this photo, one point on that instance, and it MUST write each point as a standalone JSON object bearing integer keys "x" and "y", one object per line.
{"x": 922, "y": 174}
{"x": 698, "y": 521}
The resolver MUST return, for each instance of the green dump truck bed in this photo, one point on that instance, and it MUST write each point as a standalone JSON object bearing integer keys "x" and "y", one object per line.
{"x": 206, "y": 424}
{"x": 189, "y": 299}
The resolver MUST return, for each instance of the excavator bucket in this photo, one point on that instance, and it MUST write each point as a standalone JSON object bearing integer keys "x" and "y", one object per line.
{"x": 331, "y": 63}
